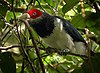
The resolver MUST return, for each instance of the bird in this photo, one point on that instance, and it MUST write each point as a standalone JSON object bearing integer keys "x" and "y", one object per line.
{"x": 57, "y": 32}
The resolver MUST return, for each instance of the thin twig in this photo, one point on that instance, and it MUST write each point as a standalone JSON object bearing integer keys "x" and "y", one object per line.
{"x": 51, "y": 8}
{"x": 7, "y": 33}
{"x": 22, "y": 70}
{"x": 40, "y": 5}
{"x": 41, "y": 57}
{"x": 24, "y": 52}
{"x": 30, "y": 3}
{"x": 28, "y": 46}
{"x": 9, "y": 47}
{"x": 6, "y": 40}
{"x": 34, "y": 43}
{"x": 14, "y": 46}
{"x": 74, "y": 11}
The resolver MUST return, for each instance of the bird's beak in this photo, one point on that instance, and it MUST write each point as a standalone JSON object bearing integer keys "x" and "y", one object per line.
{"x": 24, "y": 16}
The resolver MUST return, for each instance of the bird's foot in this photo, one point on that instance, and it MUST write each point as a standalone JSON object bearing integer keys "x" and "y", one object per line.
{"x": 63, "y": 52}
{"x": 50, "y": 50}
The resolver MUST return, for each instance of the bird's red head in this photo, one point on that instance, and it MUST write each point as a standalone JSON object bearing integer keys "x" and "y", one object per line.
{"x": 34, "y": 13}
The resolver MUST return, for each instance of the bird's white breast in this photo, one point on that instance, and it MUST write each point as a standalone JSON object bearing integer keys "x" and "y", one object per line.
{"x": 59, "y": 38}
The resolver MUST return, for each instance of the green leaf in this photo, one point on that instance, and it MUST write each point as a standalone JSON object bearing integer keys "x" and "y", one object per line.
{"x": 69, "y": 5}
{"x": 3, "y": 10}
{"x": 7, "y": 63}
{"x": 92, "y": 18}
{"x": 78, "y": 70}
{"x": 98, "y": 49}
{"x": 97, "y": 25}
{"x": 90, "y": 23}
{"x": 52, "y": 70}
{"x": 78, "y": 21}
{"x": 90, "y": 66}
{"x": 62, "y": 67}
{"x": 96, "y": 28}
{"x": 93, "y": 65}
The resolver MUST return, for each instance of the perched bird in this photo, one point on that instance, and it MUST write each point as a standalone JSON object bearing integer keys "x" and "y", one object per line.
{"x": 57, "y": 32}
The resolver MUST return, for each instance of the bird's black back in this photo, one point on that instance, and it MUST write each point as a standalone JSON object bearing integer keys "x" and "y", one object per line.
{"x": 71, "y": 31}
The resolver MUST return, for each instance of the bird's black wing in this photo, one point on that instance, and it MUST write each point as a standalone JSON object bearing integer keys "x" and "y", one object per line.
{"x": 72, "y": 31}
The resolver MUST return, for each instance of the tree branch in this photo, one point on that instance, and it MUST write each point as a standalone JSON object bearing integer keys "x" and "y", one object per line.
{"x": 34, "y": 43}
{"x": 20, "y": 41}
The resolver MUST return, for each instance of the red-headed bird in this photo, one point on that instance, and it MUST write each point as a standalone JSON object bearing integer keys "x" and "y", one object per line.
{"x": 57, "y": 32}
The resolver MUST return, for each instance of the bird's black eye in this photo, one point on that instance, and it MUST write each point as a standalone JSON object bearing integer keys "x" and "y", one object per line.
{"x": 34, "y": 14}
